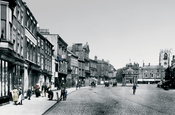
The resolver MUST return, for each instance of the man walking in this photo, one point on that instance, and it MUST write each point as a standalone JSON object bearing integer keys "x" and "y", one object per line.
{"x": 134, "y": 89}
{"x": 29, "y": 93}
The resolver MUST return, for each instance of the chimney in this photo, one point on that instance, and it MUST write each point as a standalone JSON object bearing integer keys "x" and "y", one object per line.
{"x": 149, "y": 64}
{"x": 95, "y": 58}
{"x": 143, "y": 64}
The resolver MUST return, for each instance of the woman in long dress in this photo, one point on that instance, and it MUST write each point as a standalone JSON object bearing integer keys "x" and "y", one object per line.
{"x": 20, "y": 96}
{"x": 15, "y": 95}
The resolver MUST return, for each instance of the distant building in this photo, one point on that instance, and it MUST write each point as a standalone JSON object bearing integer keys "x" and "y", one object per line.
{"x": 93, "y": 70}
{"x": 77, "y": 49}
{"x": 102, "y": 71}
{"x": 164, "y": 58}
{"x": 44, "y": 60}
{"x": 86, "y": 51}
{"x": 72, "y": 76}
{"x": 151, "y": 74}
{"x": 130, "y": 74}
{"x": 32, "y": 69}
{"x": 59, "y": 62}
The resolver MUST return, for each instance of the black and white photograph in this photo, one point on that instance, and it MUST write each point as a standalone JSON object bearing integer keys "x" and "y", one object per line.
{"x": 87, "y": 57}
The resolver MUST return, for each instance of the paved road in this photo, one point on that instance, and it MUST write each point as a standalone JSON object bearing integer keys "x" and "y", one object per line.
{"x": 148, "y": 100}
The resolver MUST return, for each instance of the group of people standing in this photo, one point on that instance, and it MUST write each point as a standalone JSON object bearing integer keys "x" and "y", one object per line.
{"x": 17, "y": 96}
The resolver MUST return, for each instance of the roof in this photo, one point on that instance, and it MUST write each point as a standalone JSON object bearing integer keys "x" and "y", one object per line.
{"x": 152, "y": 66}
{"x": 86, "y": 46}
{"x": 72, "y": 53}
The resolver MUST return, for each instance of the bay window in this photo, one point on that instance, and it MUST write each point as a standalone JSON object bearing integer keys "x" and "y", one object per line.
{"x": 3, "y": 20}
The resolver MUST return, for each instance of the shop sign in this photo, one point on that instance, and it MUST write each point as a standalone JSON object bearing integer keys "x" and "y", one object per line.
{"x": 4, "y": 57}
{"x": 19, "y": 63}
{"x": 35, "y": 68}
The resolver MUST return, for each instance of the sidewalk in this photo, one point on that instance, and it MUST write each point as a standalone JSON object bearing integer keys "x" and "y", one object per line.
{"x": 35, "y": 106}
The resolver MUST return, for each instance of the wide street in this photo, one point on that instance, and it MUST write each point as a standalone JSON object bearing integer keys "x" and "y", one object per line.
{"x": 148, "y": 100}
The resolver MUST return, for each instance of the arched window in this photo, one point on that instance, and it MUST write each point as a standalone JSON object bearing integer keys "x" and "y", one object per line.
{"x": 165, "y": 56}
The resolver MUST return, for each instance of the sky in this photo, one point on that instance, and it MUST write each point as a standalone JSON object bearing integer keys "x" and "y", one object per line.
{"x": 118, "y": 31}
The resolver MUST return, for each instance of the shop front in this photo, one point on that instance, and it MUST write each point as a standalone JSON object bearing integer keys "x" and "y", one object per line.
{"x": 11, "y": 74}
{"x": 33, "y": 75}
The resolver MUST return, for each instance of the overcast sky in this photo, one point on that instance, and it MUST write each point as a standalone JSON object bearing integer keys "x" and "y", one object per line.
{"x": 116, "y": 30}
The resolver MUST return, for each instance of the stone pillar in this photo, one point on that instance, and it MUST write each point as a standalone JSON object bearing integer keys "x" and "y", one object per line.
{"x": 26, "y": 78}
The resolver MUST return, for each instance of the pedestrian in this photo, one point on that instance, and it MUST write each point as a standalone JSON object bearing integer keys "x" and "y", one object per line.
{"x": 77, "y": 86}
{"x": 92, "y": 84}
{"x": 21, "y": 97}
{"x": 15, "y": 95}
{"x": 50, "y": 94}
{"x": 63, "y": 85}
{"x": 29, "y": 93}
{"x": 62, "y": 93}
{"x": 44, "y": 89}
{"x": 65, "y": 95}
{"x": 37, "y": 91}
{"x": 134, "y": 89}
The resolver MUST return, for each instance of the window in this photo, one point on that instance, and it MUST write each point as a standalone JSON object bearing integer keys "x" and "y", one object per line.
{"x": 42, "y": 45}
{"x": 28, "y": 22}
{"x": 38, "y": 59}
{"x": 165, "y": 56}
{"x": 18, "y": 15}
{"x": 34, "y": 57}
{"x": 56, "y": 67}
{"x": 18, "y": 48}
{"x": 21, "y": 51}
{"x": 39, "y": 41}
{"x": 31, "y": 52}
{"x": 45, "y": 63}
{"x": 31, "y": 26}
{"x": 14, "y": 12}
{"x": 28, "y": 50}
{"x": 3, "y": 21}
{"x": 42, "y": 62}
{"x": 46, "y": 47}
{"x": 22, "y": 19}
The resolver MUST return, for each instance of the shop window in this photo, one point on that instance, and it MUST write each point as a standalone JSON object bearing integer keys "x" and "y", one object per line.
{"x": 0, "y": 79}
{"x": 3, "y": 78}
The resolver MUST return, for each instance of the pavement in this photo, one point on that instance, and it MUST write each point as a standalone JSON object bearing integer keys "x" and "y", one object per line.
{"x": 35, "y": 106}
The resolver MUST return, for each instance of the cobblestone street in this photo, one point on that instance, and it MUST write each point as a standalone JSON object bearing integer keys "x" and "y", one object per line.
{"x": 148, "y": 100}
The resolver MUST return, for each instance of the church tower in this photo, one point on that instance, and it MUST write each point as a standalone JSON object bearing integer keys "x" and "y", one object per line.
{"x": 164, "y": 58}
